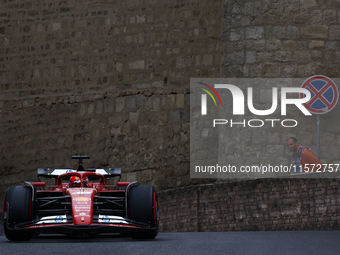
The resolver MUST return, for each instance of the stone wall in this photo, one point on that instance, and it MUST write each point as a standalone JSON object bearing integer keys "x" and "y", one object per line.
{"x": 281, "y": 39}
{"x": 255, "y": 205}
{"x": 105, "y": 79}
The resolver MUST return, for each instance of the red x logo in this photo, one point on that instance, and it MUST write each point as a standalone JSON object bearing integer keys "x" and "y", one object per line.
{"x": 321, "y": 86}
{"x": 319, "y": 95}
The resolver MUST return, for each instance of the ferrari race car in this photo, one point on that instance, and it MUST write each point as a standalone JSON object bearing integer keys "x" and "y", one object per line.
{"x": 80, "y": 203}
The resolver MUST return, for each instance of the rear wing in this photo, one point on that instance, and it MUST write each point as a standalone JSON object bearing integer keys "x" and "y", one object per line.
{"x": 55, "y": 172}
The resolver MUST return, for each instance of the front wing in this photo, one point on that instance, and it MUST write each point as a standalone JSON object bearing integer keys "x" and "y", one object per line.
{"x": 62, "y": 224}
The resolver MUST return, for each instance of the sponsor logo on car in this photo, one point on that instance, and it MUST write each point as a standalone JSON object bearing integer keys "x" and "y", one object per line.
{"x": 82, "y": 199}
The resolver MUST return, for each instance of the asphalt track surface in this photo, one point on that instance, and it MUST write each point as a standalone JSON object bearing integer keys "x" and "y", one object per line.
{"x": 243, "y": 243}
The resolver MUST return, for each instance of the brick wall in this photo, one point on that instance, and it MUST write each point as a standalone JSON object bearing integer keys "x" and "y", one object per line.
{"x": 261, "y": 204}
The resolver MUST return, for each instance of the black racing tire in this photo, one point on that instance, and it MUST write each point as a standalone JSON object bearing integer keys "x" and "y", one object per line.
{"x": 143, "y": 207}
{"x": 19, "y": 200}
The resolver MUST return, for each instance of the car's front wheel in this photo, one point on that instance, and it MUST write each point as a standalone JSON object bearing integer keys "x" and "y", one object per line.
{"x": 18, "y": 208}
{"x": 143, "y": 207}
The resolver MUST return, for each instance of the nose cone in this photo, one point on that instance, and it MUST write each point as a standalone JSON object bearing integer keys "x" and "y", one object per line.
{"x": 82, "y": 205}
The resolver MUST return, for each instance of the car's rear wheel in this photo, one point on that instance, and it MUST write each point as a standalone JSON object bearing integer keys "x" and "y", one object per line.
{"x": 18, "y": 208}
{"x": 143, "y": 207}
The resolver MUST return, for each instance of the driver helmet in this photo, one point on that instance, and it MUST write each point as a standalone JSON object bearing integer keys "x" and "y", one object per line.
{"x": 75, "y": 181}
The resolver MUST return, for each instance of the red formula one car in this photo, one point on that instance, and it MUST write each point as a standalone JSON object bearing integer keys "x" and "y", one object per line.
{"x": 80, "y": 203}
